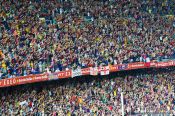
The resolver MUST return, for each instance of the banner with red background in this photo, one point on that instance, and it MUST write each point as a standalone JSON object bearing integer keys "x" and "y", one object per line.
{"x": 85, "y": 71}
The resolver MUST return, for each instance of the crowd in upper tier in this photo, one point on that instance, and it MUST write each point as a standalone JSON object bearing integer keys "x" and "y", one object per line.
{"x": 142, "y": 93}
{"x": 41, "y": 35}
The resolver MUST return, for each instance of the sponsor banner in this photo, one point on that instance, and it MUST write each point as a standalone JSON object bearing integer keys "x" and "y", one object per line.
{"x": 135, "y": 65}
{"x": 1, "y": 83}
{"x": 147, "y": 64}
{"x": 76, "y": 73}
{"x": 85, "y": 71}
{"x": 104, "y": 70}
{"x": 165, "y": 64}
{"x": 94, "y": 71}
{"x": 113, "y": 68}
{"x": 23, "y": 80}
{"x": 153, "y": 64}
{"x": 123, "y": 67}
{"x": 64, "y": 74}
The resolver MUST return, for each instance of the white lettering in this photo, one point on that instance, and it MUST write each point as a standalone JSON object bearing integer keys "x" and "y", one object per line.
{"x": 40, "y": 77}
{"x": 25, "y": 79}
{"x": 68, "y": 74}
{"x": 136, "y": 65}
{"x": 9, "y": 82}
{"x": 60, "y": 74}
{"x": 14, "y": 81}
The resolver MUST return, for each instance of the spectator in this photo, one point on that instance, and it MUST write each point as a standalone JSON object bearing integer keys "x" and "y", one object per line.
{"x": 66, "y": 34}
{"x": 143, "y": 93}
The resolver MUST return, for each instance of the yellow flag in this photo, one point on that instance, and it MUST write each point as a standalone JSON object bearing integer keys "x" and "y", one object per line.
{"x": 126, "y": 41}
{"x": 115, "y": 93}
{"x": 169, "y": 88}
{"x": 80, "y": 101}
{"x": 27, "y": 29}
{"x": 3, "y": 65}
{"x": 31, "y": 64}
{"x": 97, "y": 39}
{"x": 68, "y": 114}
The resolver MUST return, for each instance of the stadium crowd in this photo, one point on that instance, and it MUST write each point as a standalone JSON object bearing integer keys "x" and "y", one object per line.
{"x": 40, "y": 35}
{"x": 95, "y": 96}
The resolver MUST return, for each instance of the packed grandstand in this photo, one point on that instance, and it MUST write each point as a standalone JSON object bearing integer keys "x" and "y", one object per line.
{"x": 47, "y": 37}
{"x": 146, "y": 92}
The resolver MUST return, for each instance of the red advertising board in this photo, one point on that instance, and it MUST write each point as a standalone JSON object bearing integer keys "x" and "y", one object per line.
{"x": 136, "y": 65}
{"x": 165, "y": 64}
{"x": 85, "y": 71}
{"x": 113, "y": 68}
{"x": 23, "y": 80}
{"x": 64, "y": 74}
